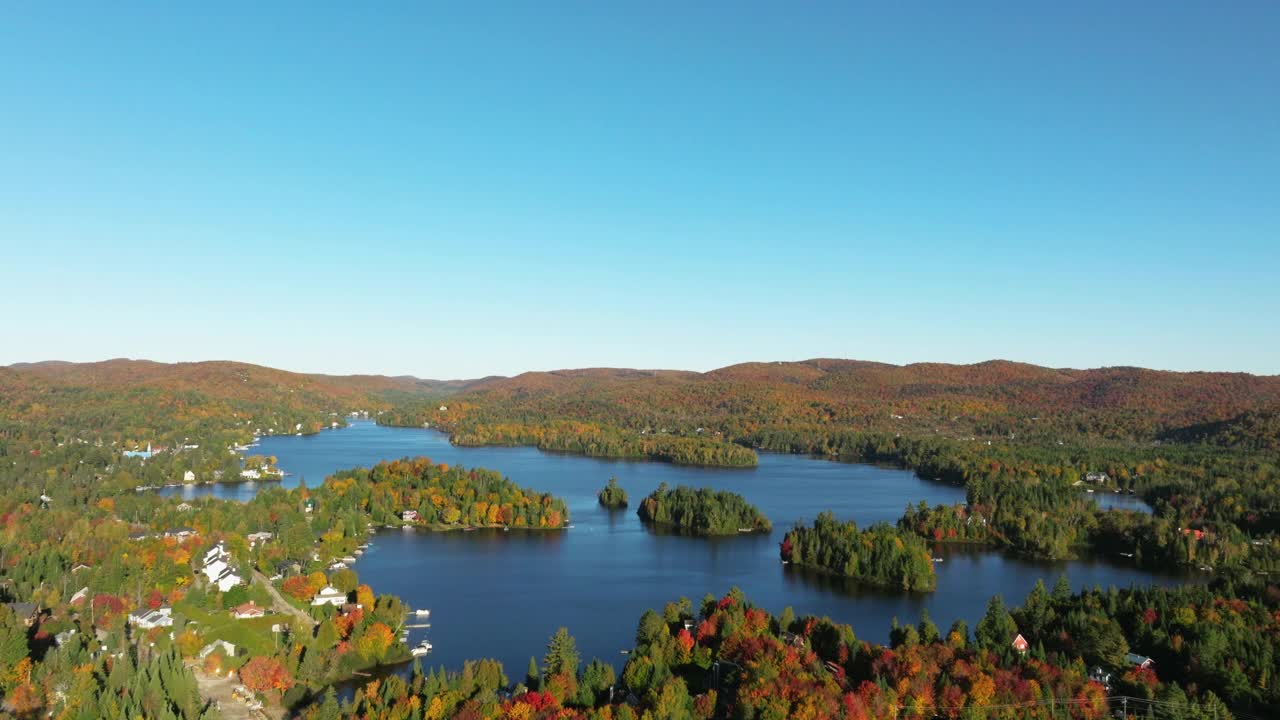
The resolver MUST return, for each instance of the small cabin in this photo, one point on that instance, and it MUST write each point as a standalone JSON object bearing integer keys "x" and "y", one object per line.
{"x": 1020, "y": 644}
{"x": 247, "y": 610}
{"x": 1139, "y": 661}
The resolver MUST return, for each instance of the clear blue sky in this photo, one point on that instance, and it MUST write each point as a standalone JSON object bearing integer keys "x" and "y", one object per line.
{"x": 454, "y": 192}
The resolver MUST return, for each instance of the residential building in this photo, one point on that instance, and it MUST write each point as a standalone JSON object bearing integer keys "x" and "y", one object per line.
{"x": 1141, "y": 661}
{"x": 160, "y": 617}
{"x": 27, "y": 612}
{"x": 217, "y": 568}
{"x": 1020, "y": 644}
{"x": 330, "y": 595}
{"x": 247, "y": 610}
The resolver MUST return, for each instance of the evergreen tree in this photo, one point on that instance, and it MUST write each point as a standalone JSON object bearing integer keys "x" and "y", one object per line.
{"x": 996, "y": 629}
{"x": 531, "y": 677}
{"x": 562, "y": 655}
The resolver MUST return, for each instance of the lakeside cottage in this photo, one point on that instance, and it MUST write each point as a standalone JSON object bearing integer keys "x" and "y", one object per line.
{"x": 409, "y": 516}
{"x": 1020, "y": 644}
{"x": 330, "y": 595}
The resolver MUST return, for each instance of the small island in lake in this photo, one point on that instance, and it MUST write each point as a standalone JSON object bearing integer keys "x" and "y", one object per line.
{"x": 881, "y": 555}
{"x": 702, "y": 511}
{"x": 415, "y": 492}
{"x": 613, "y": 496}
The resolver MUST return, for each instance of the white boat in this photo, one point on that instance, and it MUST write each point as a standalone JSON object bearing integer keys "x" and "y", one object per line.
{"x": 422, "y": 612}
{"x": 421, "y": 648}
{"x": 937, "y": 559}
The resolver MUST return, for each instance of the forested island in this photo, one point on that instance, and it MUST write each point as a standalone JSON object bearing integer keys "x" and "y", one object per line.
{"x": 702, "y": 511}
{"x": 881, "y": 555}
{"x": 613, "y": 496}
{"x": 417, "y": 492}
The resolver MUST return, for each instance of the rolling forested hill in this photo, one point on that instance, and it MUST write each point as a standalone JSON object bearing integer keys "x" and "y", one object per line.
{"x": 138, "y": 401}
{"x": 992, "y": 398}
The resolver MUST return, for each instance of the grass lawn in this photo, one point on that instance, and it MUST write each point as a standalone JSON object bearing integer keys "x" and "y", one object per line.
{"x": 252, "y": 634}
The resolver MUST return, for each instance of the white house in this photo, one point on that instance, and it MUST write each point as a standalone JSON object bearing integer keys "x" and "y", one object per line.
{"x": 330, "y": 595}
{"x": 409, "y": 515}
{"x": 250, "y": 474}
{"x": 219, "y": 570}
{"x": 188, "y": 477}
{"x": 217, "y": 552}
{"x": 162, "y": 617}
{"x": 258, "y": 537}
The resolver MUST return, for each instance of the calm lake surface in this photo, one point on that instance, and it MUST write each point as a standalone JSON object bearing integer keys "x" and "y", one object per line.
{"x": 502, "y": 594}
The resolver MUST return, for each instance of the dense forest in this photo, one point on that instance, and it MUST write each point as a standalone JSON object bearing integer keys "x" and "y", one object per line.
{"x": 600, "y": 441}
{"x": 881, "y": 555}
{"x": 702, "y": 511}
{"x": 727, "y": 658}
{"x": 612, "y": 495}
{"x": 996, "y": 399}
{"x": 130, "y": 403}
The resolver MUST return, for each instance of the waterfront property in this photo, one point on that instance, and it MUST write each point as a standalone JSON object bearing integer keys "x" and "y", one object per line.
{"x": 330, "y": 595}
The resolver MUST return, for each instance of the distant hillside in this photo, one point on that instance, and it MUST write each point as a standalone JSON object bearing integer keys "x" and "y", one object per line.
{"x": 1253, "y": 430}
{"x": 144, "y": 401}
{"x": 989, "y": 398}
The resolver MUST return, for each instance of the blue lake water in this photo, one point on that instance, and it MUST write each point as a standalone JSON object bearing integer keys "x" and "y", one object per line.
{"x": 502, "y": 594}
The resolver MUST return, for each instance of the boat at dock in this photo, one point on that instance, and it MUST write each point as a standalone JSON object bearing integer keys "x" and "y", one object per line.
{"x": 420, "y": 649}
{"x": 422, "y": 612}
